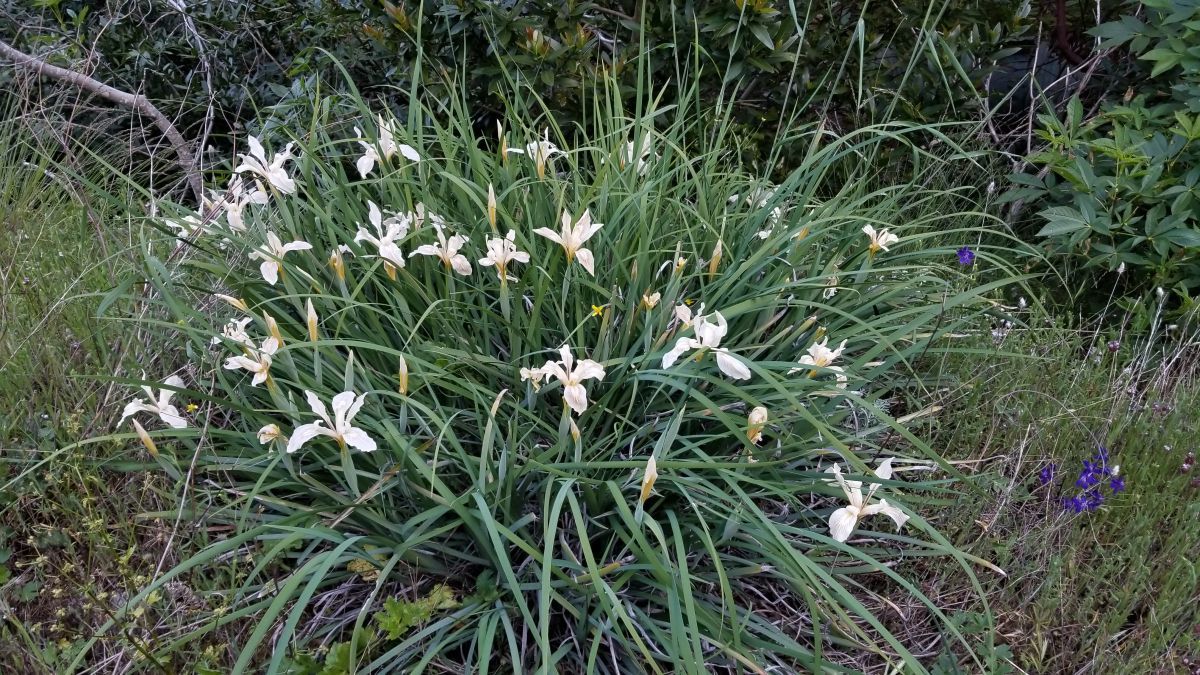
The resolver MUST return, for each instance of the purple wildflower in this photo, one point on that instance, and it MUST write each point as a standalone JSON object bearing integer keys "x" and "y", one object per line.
{"x": 1047, "y": 473}
{"x": 966, "y": 256}
{"x": 1075, "y": 504}
{"x": 1091, "y": 475}
{"x": 1090, "y": 482}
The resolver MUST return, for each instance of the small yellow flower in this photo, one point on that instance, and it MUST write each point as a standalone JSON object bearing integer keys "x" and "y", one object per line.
{"x": 192, "y": 407}
{"x": 597, "y": 310}
{"x": 651, "y": 301}
{"x": 689, "y": 302}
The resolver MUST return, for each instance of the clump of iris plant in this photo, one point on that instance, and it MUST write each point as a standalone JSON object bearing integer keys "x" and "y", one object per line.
{"x": 1094, "y": 478}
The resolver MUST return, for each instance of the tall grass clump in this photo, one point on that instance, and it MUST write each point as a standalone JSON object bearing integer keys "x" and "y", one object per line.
{"x": 51, "y": 254}
{"x": 71, "y": 544}
{"x": 611, "y": 455}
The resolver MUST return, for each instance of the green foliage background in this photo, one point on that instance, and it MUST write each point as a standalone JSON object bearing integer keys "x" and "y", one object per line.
{"x": 852, "y": 62}
{"x": 1120, "y": 191}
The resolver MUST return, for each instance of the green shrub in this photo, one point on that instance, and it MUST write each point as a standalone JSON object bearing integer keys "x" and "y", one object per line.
{"x": 1120, "y": 189}
{"x": 207, "y": 64}
{"x": 534, "y": 522}
{"x": 856, "y": 62}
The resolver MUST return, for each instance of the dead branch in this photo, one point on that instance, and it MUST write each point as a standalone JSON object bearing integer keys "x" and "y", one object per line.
{"x": 185, "y": 159}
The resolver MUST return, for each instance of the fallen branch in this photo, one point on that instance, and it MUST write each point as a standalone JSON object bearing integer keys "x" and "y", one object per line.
{"x": 185, "y": 159}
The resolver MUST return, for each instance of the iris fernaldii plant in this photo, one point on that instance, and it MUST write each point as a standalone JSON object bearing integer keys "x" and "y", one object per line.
{"x": 566, "y": 445}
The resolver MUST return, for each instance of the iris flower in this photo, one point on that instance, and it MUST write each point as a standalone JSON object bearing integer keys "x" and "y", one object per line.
{"x": 709, "y": 333}
{"x": 637, "y": 155}
{"x": 420, "y": 214}
{"x": 310, "y": 319}
{"x": 337, "y": 260}
{"x": 385, "y": 149}
{"x": 649, "y": 476}
{"x": 273, "y": 327}
{"x": 843, "y": 521}
{"x": 159, "y": 405}
{"x": 345, "y": 406}
{"x": 402, "y": 376}
{"x": 272, "y": 254}
{"x": 879, "y": 240}
{"x": 236, "y": 303}
{"x": 189, "y": 226}
{"x": 831, "y": 285}
{"x": 821, "y": 356}
{"x": 257, "y": 361}
{"x": 502, "y": 251}
{"x": 540, "y": 152}
{"x": 534, "y": 376}
{"x": 573, "y": 236}
{"x": 715, "y": 260}
{"x": 572, "y": 375}
{"x": 387, "y": 231}
{"x": 755, "y": 422}
{"x": 491, "y": 206}
{"x": 269, "y": 433}
{"x": 237, "y": 197}
{"x": 447, "y": 250}
{"x": 684, "y": 314}
{"x": 235, "y": 329}
{"x": 757, "y": 199}
{"x": 145, "y": 439}
{"x": 271, "y": 171}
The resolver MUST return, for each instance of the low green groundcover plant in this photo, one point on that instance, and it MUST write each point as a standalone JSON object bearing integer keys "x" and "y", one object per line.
{"x": 551, "y": 403}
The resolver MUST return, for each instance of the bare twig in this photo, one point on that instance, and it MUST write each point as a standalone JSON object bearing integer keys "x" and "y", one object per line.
{"x": 137, "y": 102}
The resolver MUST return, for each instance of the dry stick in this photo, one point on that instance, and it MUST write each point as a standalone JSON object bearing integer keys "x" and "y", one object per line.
{"x": 136, "y": 102}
